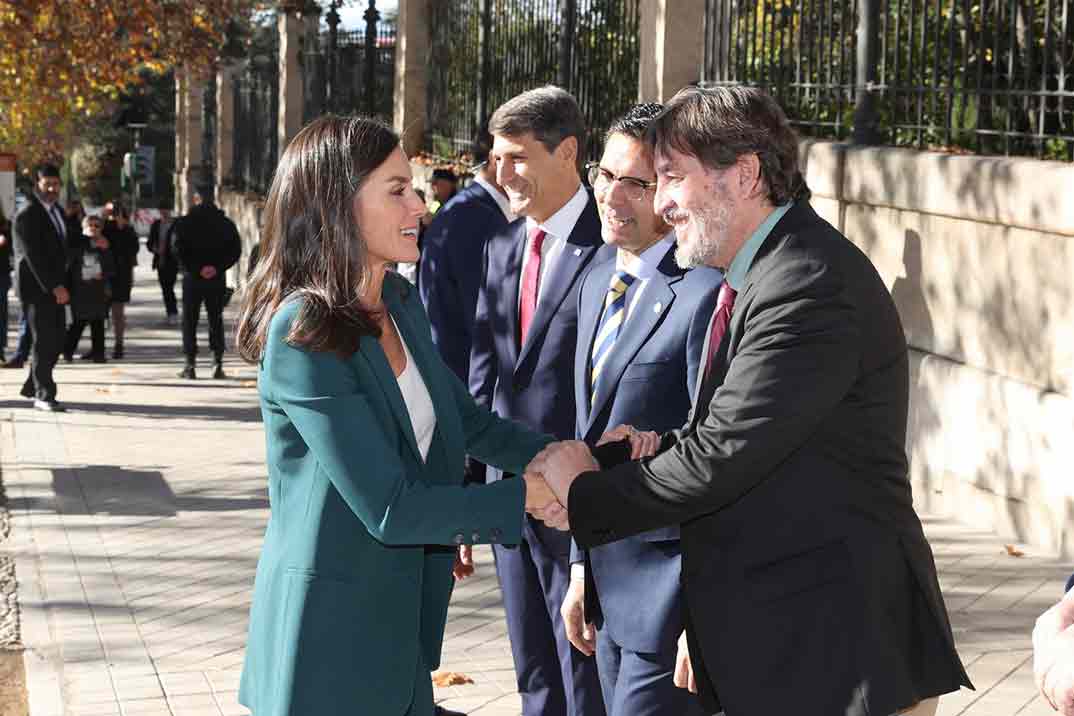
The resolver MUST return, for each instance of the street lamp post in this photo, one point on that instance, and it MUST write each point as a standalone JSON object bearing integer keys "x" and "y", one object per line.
{"x": 137, "y": 128}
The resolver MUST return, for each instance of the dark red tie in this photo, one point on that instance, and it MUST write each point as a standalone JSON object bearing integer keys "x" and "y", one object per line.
{"x": 721, "y": 318}
{"x": 531, "y": 280}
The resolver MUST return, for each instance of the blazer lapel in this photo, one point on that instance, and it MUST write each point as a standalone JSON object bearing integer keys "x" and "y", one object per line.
{"x": 422, "y": 351}
{"x": 511, "y": 279}
{"x": 370, "y": 349}
{"x": 590, "y": 307}
{"x": 655, "y": 302}
{"x": 576, "y": 253}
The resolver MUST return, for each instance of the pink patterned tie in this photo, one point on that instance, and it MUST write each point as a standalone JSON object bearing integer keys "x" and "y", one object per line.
{"x": 531, "y": 279}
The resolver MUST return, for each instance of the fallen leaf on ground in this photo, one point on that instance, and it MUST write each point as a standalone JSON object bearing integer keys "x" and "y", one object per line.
{"x": 450, "y": 678}
{"x": 1014, "y": 551}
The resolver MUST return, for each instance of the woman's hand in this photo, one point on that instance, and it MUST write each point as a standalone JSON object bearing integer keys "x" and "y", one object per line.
{"x": 464, "y": 562}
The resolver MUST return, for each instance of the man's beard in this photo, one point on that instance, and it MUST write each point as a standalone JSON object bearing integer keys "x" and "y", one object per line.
{"x": 714, "y": 225}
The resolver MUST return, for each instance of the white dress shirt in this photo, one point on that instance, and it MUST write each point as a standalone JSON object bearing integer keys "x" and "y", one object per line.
{"x": 643, "y": 267}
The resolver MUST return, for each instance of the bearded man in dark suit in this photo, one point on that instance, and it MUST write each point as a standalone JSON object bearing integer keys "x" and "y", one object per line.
{"x": 809, "y": 585}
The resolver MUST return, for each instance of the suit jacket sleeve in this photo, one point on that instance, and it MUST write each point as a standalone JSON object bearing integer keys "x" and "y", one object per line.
{"x": 483, "y": 352}
{"x": 154, "y": 237}
{"x": 795, "y": 361}
{"x": 31, "y": 245}
{"x": 232, "y": 245}
{"x": 504, "y": 444}
{"x": 326, "y": 403}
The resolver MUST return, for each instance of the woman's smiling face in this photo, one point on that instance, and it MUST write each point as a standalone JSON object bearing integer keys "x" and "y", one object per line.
{"x": 387, "y": 211}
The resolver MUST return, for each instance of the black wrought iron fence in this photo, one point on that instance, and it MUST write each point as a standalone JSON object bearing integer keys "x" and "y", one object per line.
{"x": 483, "y": 52}
{"x": 988, "y": 76}
{"x": 257, "y": 101}
{"x": 345, "y": 74}
{"x": 209, "y": 134}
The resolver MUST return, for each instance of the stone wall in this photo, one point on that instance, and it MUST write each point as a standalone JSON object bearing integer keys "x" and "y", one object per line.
{"x": 245, "y": 211}
{"x": 978, "y": 253}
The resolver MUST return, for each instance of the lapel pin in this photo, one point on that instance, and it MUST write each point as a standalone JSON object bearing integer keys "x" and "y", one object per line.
{"x": 657, "y": 307}
{"x": 577, "y": 252}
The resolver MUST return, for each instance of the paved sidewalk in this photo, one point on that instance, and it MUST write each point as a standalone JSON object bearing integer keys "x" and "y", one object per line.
{"x": 138, "y": 518}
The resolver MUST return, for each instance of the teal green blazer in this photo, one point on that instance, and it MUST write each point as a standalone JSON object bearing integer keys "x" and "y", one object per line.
{"x": 354, "y": 578}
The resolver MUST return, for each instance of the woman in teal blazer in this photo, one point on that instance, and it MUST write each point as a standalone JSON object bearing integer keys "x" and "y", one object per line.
{"x": 352, "y": 587}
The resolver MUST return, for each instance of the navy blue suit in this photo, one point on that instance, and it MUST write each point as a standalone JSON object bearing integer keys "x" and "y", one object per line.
{"x": 450, "y": 271}
{"x": 534, "y": 384}
{"x": 632, "y": 586}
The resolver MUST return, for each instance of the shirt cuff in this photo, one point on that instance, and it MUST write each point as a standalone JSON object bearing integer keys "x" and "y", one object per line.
{"x": 578, "y": 572}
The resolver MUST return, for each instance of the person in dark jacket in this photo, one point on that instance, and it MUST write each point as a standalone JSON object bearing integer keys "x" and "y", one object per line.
{"x": 124, "y": 246}
{"x": 164, "y": 263}
{"x": 41, "y": 248}
{"x": 5, "y": 278}
{"x": 91, "y": 267}
{"x": 207, "y": 244}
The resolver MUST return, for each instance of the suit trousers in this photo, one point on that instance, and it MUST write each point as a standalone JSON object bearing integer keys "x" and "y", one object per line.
{"x": 636, "y": 684}
{"x": 166, "y": 277}
{"x": 46, "y": 320}
{"x": 74, "y": 335}
{"x": 25, "y": 338}
{"x": 196, "y": 291}
{"x": 553, "y": 677}
{"x": 5, "y": 286}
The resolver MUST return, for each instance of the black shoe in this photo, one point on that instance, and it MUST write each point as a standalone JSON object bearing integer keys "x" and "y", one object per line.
{"x": 188, "y": 372}
{"x": 15, "y": 363}
{"x": 441, "y": 711}
{"x": 218, "y": 372}
{"x": 86, "y": 356}
{"x": 68, "y": 357}
{"x": 28, "y": 391}
{"x": 117, "y": 353}
{"x": 49, "y": 406}
{"x": 99, "y": 358}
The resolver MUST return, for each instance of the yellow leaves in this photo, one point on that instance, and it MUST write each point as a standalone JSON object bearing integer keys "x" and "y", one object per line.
{"x": 61, "y": 61}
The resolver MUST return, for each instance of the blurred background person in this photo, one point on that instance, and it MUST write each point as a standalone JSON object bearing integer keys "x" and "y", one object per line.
{"x": 91, "y": 267}
{"x": 5, "y": 279}
{"x": 164, "y": 263}
{"x": 444, "y": 185}
{"x": 123, "y": 243}
{"x": 207, "y": 244}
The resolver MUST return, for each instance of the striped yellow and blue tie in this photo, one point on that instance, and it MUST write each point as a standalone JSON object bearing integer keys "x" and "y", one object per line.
{"x": 611, "y": 321}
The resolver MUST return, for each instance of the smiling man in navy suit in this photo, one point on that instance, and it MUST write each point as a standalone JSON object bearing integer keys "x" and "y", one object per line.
{"x": 641, "y": 328}
{"x": 522, "y": 367}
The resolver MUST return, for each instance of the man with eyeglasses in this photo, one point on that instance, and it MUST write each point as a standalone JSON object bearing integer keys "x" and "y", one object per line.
{"x": 642, "y": 322}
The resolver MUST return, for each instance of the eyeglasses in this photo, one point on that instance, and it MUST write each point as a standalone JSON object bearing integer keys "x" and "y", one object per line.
{"x": 601, "y": 180}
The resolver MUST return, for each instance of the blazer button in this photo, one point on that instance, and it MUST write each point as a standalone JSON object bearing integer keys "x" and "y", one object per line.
{"x": 460, "y": 538}
{"x": 495, "y": 534}
{"x": 475, "y": 537}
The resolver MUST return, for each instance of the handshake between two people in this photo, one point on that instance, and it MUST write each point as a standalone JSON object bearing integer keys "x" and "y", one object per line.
{"x": 551, "y": 473}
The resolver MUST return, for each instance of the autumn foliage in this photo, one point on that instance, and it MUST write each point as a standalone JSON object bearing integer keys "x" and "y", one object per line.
{"x": 62, "y": 62}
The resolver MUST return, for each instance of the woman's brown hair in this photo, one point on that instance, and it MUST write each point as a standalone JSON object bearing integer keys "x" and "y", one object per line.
{"x": 311, "y": 247}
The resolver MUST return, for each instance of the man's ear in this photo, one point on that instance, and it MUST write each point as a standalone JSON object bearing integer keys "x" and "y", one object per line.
{"x": 748, "y": 174}
{"x": 568, "y": 150}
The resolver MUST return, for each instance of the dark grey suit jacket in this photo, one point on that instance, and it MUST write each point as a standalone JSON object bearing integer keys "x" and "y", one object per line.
{"x": 809, "y": 585}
